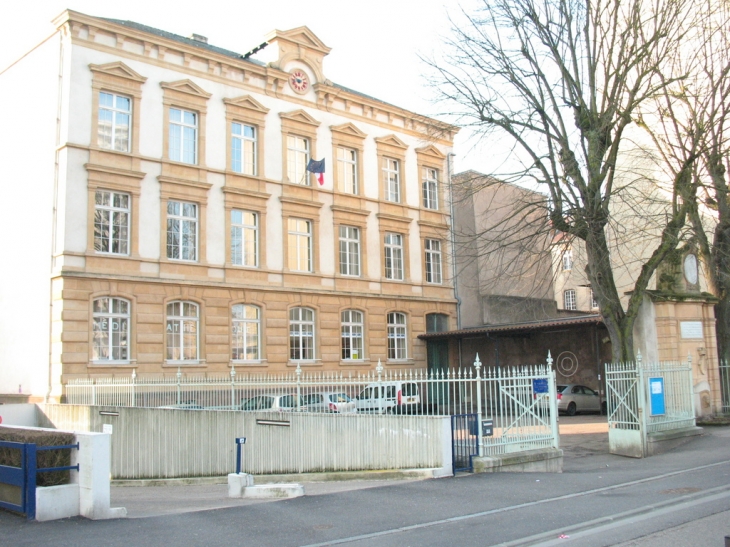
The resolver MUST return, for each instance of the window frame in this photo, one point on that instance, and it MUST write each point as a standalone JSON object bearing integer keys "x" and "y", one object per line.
{"x": 245, "y": 322}
{"x": 345, "y": 268}
{"x": 344, "y": 166}
{"x": 114, "y": 211}
{"x": 114, "y": 110}
{"x": 430, "y": 254}
{"x": 182, "y": 125}
{"x": 569, "y": 300}
{"x": 348, "y": 324}
{"x": 567, "y": 259}
{"x": 244, "y": 228}
{"x": 301, "y": 125}
{"x": 294, "y": 237}
{"x": 394, "y": 329}
{"x": 430, "y": 195}
{"x": 242, "y": 139}
{"x": 300, "y": 337}
{"x": 291, "y": 155}
{"x": 94, "y": 358}
{"x": 182, "y": 219}
{"x": 181, "y": 319}
{"x": 390, "y": 191}
{"x": 388, "y": 272}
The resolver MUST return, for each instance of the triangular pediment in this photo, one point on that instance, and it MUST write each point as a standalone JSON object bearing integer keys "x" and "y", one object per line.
{"x": 118, "y": 69}
{"x": 248, "y": 102}
{"x": 299, "y": 116}
{"x": 431, "y": 150}
{"x": 186, "y": 86}
{"x": 300, "y": 35}
{"x": 348, "y": 129}
{"x": 391, "y": 140}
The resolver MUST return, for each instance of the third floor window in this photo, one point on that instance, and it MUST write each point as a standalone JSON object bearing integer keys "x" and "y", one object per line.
{"x": 297, "y": 157}
{"x": 391, "y": 180}
{"x": 115, "y": 115}
{"x": 183, "y": 136}
{"x": 430, "y": 188}
{"x": 347, "y": 170}
{"x": 243, "y": 148}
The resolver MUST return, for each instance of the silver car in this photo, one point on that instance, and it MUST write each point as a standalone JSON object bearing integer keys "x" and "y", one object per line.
{"x": 574, "y": 398}
{"x": 335, "y": 402}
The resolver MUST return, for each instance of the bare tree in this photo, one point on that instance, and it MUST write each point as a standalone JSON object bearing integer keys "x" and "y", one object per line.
{"x": 562, "y": 80}
{"x": 690, "y": 119}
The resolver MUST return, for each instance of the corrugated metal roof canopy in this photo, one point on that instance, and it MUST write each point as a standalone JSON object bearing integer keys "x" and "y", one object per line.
{"x": 528, "y": 326}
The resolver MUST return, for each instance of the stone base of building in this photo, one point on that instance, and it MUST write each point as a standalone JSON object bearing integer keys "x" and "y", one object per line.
{"x": 663, "y": 441}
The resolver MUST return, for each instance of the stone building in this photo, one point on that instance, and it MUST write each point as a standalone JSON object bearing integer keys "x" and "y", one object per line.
{"x": 159, "y": 213}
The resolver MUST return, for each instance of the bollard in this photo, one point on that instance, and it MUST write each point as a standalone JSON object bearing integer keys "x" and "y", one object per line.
{"x": 727, "y": 541}
{"x": 240, "y": 441}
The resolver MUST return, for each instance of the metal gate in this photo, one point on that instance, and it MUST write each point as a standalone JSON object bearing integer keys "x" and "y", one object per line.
{"x": 18, "y": 483}
{"x": 464, "y": 441}
{"x": 625, "y": 437}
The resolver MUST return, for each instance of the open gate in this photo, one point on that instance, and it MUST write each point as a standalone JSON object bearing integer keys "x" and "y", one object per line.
{"x": 625, "y": 437}
{"x": 17, "y": 484}
{"x": 464, "y": 441}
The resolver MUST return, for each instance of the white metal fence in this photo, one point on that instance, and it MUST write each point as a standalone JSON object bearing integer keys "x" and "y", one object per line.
{"x": 518, "y": 400}
{"x": 725, "y": 386}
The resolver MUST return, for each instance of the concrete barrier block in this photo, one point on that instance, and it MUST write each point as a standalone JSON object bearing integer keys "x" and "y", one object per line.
{"x": 269, "y": 491}
{"x": 545, "y": 460}
{"x": 237, "y": 484}
{"x": 56, "y": 502}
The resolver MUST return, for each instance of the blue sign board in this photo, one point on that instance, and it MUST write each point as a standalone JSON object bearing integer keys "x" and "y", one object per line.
{"x": 240, "y": 440}
{"x": 540, "y": 385}
{"x": 656, "y": 396}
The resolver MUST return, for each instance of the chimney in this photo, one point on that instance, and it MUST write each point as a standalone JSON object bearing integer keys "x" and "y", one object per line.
{"x": 199, "y": 38}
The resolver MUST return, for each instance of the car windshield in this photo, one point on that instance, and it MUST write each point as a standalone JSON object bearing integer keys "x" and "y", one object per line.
{"x": 339, "y": 398}
{"x": 289, "y": 401}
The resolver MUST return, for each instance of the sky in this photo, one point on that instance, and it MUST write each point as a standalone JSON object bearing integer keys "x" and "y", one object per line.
{"x": 375, "y": 44}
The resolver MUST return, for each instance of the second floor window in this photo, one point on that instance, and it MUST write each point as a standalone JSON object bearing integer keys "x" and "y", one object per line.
{"x": 297, "y": 157}
{"x": 183, "y": 136}
{"x": 244, "y": 238}
{"x": 182, "y": 331}
{"x": 243, "y": 152}
{"x": 569, "y": 299}
{"x": 352, "y": 334}
{"x": 349, "y": 250}
{"x": 430, "y": 189}
{"x": 182, "y": 230}
{"x": 111, "y": 330}
{"x": 115, "y": 115}
{"x": 394, "y": 256}
{"x": 300, "y": 245}
{"x": 347, "y": 170}
{"x": 245, "y": 341}
{"x": 433, "y": 261}
{"x": 391, "y": 180}
{"x": 111, "y": 222}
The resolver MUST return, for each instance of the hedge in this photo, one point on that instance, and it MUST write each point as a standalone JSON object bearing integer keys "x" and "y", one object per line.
{"x": 46, "y": 458}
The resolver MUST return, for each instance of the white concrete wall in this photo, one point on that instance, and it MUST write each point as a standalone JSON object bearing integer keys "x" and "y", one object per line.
{"x": 28, "y": 109}
{"x": 20, "y": 415}
{"x": 168, "y": 443}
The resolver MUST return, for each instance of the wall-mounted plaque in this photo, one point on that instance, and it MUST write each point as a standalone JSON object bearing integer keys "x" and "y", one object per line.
{"x": 691, "y": 329}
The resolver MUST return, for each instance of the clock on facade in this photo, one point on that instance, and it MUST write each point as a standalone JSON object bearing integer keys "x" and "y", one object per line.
{"x": 299, "y": 81}
{"x": 690, "y": 269}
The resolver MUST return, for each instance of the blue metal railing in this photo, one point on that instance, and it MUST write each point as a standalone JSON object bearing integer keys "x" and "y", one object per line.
{"x": 24, "y": 477}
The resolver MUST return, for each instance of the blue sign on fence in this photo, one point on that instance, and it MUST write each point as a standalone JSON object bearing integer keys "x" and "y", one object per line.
{"x": 240, "y": 440}
{"x": 656, "y": 396}
{"x": 540, "y": 385}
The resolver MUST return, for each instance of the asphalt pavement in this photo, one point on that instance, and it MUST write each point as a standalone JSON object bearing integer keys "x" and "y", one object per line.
{"x": 674, "y": 499}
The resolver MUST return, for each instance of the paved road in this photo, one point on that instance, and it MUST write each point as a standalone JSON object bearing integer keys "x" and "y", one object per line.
{"x": 679, "y": 498}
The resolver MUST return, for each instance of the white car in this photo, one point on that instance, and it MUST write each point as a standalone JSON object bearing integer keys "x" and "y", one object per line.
{"x": 336, "y": 402}
{"x": 275, "y": 403}
{"x": 390, "y": 397}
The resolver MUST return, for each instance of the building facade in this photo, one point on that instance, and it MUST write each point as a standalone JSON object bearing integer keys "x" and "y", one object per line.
{"x": 166, "y": 219}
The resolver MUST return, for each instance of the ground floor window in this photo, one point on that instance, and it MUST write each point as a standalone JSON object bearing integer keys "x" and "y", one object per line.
{"x": 111, "y": 329}
{"x": 182, "y": 329}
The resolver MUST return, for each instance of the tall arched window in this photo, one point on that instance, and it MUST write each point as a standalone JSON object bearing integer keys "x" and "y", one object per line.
{"x": 183, "y": 319}
{"x": 111, "y": 329}
{"x": 352, "y": 333}
{"x": 301, "y": 334}
{"x": 397, "y": 347}
{"x": 245, "y": 339}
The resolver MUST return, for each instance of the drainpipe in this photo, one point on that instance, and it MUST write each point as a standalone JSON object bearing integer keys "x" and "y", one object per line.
{"x": 454, "y": 280}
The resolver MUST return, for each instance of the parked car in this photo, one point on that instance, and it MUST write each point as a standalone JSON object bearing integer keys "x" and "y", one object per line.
{"x": 336, "y": 402}
{"x": 391, "y": 397}
{"x": 190, "y": 405}
{"x": 275, "y": 403}
{"x": 574, "y": 398}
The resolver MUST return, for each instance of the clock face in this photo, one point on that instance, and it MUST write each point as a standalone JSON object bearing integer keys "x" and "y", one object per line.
{"x": 299, "y": 81}
{"x": 690, "y": 269}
